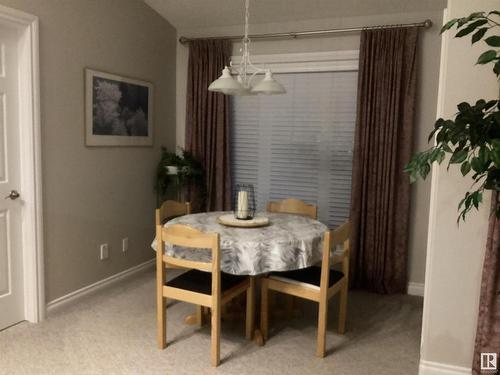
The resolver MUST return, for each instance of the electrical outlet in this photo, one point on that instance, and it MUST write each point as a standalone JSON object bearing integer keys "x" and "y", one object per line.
{"x": 104, "y": 251}
{"x": 125, "y": 244}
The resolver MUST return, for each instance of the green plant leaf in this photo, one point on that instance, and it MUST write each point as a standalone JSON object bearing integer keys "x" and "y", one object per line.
{"x": 441, "y": 156}
{"x": 447, "y": 148}
{"x": 431, "y": 134}
{"x": 463, "y": 200}
{"x": 477, "y": 15}
{"x": 424, "y": 170}
{"x": 494, "y": 12}
{"x": 490, "y": 104}
{"x": 470, "y": 28}
{"x": 407, "y": 169}
{"x": 483, "y": 154}
{"x": 448, "y": 25}
{"x": 465, "y": 168}
{"x": 459, "y": 156}
{"x": 477, "y": 165}
{"x": 496, "y": 68}
{"x": 479, "y": 34}
{"x": 464, "y": 107}
{"x": 493, "y": 41}
{"x": 462, "y": 21}
{"x": 477, "y": 197}
{"x": 486, "y": 57}
{"x": 495, "y": 156}
{"x": 480, "y": 104}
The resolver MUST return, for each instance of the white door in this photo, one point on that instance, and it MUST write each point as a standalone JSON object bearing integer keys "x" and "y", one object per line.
{"x": 11, "y": 260}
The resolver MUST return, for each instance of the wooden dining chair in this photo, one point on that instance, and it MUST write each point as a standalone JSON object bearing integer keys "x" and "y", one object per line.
{"x": 297, "y": 207}
{"x": 204, "y": 284}
{"x": 170, "y": 209}
{"x": 317, "y": 284}
{"x": 293, "y": 206}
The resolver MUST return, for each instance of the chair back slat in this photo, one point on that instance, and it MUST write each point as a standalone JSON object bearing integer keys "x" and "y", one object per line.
{"x": 293, "y": 206}
{"x": 185, "y": 236}
{"x": 171, "y": 209}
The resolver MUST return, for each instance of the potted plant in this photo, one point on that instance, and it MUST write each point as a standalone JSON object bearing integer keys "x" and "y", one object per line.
{"x": 472, "y": 138}
{"x": 182, "y": 170}
{"x": 170, "y": 161}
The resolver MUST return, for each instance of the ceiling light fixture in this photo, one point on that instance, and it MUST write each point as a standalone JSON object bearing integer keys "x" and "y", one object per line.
{"x": 246, "y": 72}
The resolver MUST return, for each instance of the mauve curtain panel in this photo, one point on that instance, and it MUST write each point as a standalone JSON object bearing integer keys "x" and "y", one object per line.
{"x": 207, "y": 121}
{"x": 380, "y": 199}
{"x": 488, "y": 324}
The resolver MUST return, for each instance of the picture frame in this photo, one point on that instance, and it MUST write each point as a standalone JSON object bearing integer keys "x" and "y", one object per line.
{"x": 118, "y": 110}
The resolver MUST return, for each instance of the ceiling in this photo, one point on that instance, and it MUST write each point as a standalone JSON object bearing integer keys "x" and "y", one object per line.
{"x": 187, "y": 14}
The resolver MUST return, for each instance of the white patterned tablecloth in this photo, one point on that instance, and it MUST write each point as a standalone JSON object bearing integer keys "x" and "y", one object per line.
{"x": 289, "y": 242}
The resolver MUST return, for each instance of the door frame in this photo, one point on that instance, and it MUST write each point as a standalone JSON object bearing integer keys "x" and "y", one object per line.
{"x": 31, "y": 166}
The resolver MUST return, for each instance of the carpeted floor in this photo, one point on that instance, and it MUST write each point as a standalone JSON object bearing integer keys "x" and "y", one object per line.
{"x": 113, "y": 332}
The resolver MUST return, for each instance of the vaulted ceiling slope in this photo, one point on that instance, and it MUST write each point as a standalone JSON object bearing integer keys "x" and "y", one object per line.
{"x": 184, "y": 14}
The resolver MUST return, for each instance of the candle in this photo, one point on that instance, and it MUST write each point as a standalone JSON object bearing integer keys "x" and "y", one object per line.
{"x": 242, "y": 205}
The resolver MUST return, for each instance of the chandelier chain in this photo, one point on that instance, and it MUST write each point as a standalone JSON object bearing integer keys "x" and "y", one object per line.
{"x": 247, "y": 19}
{"x": 246, "y": 42}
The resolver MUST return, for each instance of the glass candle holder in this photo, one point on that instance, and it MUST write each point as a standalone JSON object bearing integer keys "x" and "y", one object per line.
{"x": 244, "y": 202}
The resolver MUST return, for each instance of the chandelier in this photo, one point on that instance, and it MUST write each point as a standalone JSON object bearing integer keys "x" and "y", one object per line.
{"x": 245, "y": 73}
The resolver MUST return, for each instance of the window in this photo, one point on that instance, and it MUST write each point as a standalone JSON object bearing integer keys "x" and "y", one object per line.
{"x": 299, "y": 145}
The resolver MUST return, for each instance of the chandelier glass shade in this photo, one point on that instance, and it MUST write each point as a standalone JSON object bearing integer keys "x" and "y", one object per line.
{"x": 243, "y": 83}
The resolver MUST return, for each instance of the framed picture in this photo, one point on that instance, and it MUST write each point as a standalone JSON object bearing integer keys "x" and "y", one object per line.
{"x": 118, "y": 110}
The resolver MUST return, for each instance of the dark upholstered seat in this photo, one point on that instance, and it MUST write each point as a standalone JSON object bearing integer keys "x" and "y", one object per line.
{"x": 201, "y": 282}
{"x": 309, "y": 275}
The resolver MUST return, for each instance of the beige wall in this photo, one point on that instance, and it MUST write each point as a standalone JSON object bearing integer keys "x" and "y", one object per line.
{"x": 455, "y": 253}
{"x": 97, "y": 195}
{"x": 426, "y": 95}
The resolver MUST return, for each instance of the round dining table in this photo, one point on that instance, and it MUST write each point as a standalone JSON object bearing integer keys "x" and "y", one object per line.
{"x": 288, "y": 242}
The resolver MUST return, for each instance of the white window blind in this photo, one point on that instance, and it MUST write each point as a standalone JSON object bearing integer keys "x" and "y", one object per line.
{"x": 299, "y": 145}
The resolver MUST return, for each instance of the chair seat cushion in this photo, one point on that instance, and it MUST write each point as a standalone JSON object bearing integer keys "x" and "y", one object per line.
{"x": 309, "y": 277}
{"x": 201, "y": 282}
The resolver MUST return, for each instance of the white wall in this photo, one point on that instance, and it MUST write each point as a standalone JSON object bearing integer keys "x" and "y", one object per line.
{"x": 455, "y": 253}
{"x": 97, "y": 195}
{"x": 426, "y": 92}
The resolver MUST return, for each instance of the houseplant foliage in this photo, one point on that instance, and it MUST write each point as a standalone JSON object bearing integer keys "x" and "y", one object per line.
{"x": 472, "y": 138}
{"x": 189, "y": 172}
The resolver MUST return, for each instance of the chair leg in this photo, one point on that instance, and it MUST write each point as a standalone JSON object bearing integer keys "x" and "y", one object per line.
{"x": 199, "y": 316}
{"x": 289, "y": 306}
{"x": 161, "y": 313}
{"x": 206, "y": 313}
{"x": 224, "y": 312}
{"x": 215, "y": 337}
{"x": 322, "y": 316}
{"x": 264, "y": 300}
{"x": 343, "y": 308}
{"x": 250, "y": 313}
{"x": 271, "y": 299}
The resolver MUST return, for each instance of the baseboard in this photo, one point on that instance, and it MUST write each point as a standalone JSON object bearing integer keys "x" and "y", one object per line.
{"x": 436, "y": 368}
{"x": 416, "y": 289}
{"x": 71, "y": 297}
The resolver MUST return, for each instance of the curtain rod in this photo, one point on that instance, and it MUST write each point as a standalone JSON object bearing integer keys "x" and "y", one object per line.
{"x": 293, "y": 35}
